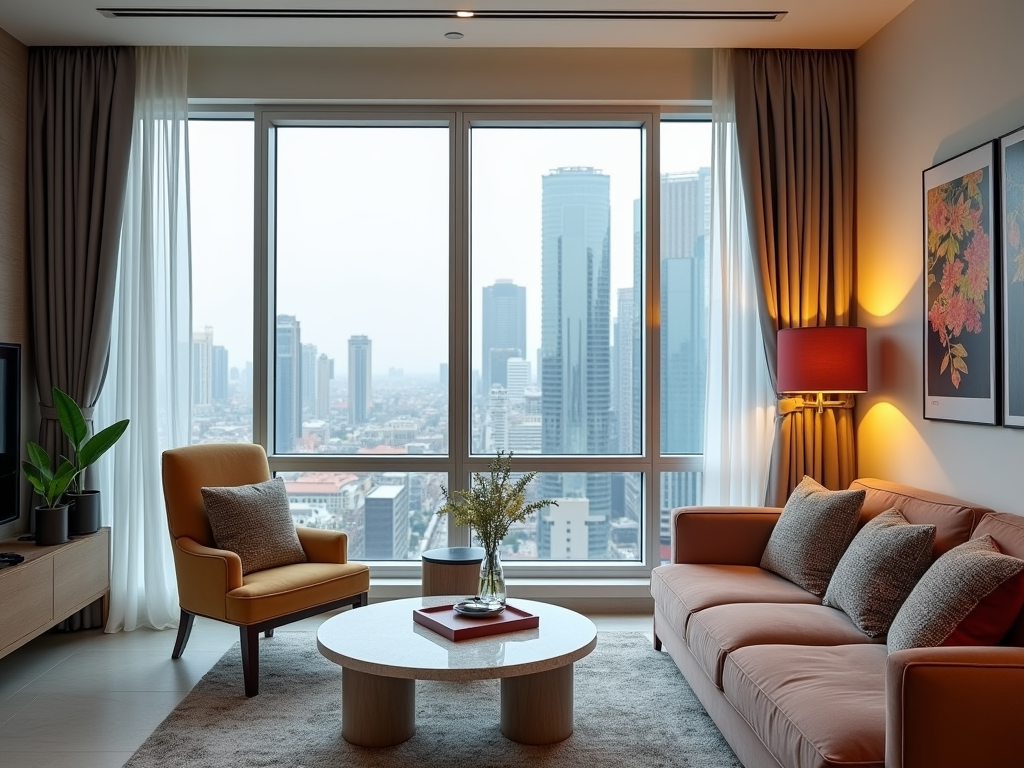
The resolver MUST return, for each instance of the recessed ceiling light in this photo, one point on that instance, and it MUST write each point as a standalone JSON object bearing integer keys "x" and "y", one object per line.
{"x": 454, "y": 35}
{"x": 464, "y": 14}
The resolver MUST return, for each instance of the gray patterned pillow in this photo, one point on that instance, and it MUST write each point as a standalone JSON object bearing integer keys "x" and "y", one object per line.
{"x": 878, "y": 570}
{"x": 970, "y": 596}
{"x": 813, "y": 531}
{"x": 254, "y": 522}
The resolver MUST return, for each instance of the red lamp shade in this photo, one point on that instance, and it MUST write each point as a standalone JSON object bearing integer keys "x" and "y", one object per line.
{"x": 827, "y": 359}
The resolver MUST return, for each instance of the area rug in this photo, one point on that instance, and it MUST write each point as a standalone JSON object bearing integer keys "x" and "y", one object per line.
{"x": 632, "y": 707}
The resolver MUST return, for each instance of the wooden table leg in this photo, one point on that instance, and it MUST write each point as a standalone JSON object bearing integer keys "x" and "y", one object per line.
{"x": 377, "y": 711}
{"x": 537, "y": 708}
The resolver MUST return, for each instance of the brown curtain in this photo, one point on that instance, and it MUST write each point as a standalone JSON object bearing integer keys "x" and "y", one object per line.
{"x": 80, "y": 112}
{"x": 795, "y": 126}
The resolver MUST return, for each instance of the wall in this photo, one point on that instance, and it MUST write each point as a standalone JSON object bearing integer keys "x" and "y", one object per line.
{"x": 14, "y": 320}
{"x": 941, "y": 78}
{"x": 435, "y": 74}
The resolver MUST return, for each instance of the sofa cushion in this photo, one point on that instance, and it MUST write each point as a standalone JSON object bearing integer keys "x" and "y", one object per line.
{"x": 812, "y": 707}
{"x": 878, "y": 570}
{"x": 680, "y": 589}
{"x": 255, "y": 522}
{"x": 713, "y": 633}
{"x": 971, "y": 595}
{"x": 1008, "y": 533}
{"x": 813, "y": 531}
{"x": 953, "y": 518}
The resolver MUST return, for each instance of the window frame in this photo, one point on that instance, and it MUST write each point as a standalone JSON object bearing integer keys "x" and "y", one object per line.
{"x": 460, "y": 463}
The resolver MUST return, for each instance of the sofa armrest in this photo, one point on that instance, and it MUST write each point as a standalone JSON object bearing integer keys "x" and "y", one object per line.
{"x": 323, "y": 546}
{"x": 205, "y": 575}
{"x": 722, "y": 535}
{"x": 954, "y": 707}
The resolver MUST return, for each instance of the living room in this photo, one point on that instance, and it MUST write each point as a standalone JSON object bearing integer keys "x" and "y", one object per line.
{"x": 932, "y": 81}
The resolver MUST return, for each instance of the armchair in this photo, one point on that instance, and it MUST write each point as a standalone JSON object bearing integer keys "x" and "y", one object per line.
{"x": 210, "y": 580}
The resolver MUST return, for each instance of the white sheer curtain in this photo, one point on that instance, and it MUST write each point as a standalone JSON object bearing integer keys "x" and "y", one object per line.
{"x": 741, "y": 404}
{"x": 148, "y": 375}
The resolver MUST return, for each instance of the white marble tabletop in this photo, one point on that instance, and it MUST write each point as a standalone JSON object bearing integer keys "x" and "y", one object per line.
{"x": 382, "y": 639}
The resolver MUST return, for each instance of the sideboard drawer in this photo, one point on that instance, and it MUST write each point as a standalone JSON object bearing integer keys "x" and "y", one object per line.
{"x": 26, "y": 592}
{"x": 80, "y": 572}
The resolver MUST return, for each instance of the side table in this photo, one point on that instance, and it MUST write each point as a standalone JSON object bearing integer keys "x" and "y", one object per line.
{"x": 452, "y": 571}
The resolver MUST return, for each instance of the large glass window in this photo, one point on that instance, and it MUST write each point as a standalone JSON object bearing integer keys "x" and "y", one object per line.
{"x": 222, "y": 196}
{"x": 361, "y": 290}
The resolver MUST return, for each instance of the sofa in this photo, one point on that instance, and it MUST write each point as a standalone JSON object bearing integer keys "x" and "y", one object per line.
{"x": 793, "y": 683}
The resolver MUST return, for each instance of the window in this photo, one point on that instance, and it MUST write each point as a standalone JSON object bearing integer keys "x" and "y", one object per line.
{"x": 433, "y": 287}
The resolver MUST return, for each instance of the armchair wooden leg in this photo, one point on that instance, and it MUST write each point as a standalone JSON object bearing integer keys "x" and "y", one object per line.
{"x": 269, "y": 632}
{"x": 250, "y": 638}
{"x": 184, "y": 630}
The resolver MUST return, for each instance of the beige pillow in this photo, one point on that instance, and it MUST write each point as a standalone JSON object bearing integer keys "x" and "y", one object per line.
{"x": 878, "y": 570}
{"x": 254, "y": 522}
{"x": 813, "y": 532}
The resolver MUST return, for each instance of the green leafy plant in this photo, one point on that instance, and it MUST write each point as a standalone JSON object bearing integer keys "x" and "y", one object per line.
{"x": 86, "y": 450}
{"x": 493, "y": 503}
{"x": 48, "y": 484}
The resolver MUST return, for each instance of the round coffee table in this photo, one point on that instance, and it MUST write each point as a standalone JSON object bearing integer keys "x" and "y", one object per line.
{"x": 382, "y": 652}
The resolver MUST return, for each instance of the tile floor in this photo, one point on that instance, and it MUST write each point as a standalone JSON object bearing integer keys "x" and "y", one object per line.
{"x": 89, "y": 699}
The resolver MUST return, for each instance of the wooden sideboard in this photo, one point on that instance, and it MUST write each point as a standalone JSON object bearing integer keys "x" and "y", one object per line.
{"x": 50, "y": 585}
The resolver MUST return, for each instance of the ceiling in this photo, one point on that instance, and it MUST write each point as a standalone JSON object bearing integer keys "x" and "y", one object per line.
{"x": 807, "y": 24}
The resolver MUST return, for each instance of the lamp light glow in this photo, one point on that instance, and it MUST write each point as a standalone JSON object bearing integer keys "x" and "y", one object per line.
{"x": 464, "y": 14}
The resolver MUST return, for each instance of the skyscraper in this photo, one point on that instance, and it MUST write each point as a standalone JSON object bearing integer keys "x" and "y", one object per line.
{"x": 219, "y": 374}
{"x": 288, "y": 379}
{"x": 387, "y": 523}
{"x": 324, "y": 370}
{"x": 202, "y": 367}
{"x": 504, "y": 327}
{"x": 360, "y": 392}
{"x": 575, "y": 361}
{"x": 309, "y": 355}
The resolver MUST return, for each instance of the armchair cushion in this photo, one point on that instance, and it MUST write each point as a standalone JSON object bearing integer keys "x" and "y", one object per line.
{"x": 813, "y": 531}
{"x": 255, "y": 522}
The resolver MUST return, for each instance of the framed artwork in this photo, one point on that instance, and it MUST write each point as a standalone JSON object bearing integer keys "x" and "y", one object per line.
{"x": 1011, "y": 153}
{"x": 960, "y": 326}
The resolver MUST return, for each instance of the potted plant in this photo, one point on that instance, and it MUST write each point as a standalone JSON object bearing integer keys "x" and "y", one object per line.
{"x": 51, "y": 519}
{"x": 84, "y": 514}
{"x": 490, "y": 507}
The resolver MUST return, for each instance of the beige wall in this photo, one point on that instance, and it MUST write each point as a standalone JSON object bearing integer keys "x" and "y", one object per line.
{"x": 14, "y": 324}
{"x": 434, "y": 74}
{"x": 941, "y": 78}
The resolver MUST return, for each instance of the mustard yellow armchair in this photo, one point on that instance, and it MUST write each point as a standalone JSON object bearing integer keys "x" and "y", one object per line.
{"x": 210, "y": 580}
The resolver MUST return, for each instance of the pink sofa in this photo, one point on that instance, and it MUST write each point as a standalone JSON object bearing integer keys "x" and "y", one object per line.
{"x": 792, "y": 683}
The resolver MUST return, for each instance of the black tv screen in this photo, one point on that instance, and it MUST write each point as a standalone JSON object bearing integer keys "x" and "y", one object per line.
{"x": 10, "y": 431}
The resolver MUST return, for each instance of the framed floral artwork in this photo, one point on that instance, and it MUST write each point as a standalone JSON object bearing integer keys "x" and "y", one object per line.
{"x": 961, "y": 328}
{"x": 1011, "y": 153}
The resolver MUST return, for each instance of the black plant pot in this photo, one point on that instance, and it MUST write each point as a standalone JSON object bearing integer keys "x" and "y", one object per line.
{"x": 51, "y": 525}
{"x": 83, "y": 512}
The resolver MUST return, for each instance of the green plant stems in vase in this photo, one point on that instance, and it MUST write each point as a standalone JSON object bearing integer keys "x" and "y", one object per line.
{"x": 489, "y": 507}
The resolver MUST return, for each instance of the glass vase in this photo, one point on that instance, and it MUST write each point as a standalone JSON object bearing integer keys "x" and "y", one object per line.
{"x": 492, "y": 579}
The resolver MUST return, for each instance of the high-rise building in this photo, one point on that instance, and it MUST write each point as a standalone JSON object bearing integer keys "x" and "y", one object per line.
{"x": 288, "y": 380}
{"x": 575, "y": 373}
{"x": 202, "y": 367}
{"x": 386, "y": 523}
{"x": 497, "y": 419}
{"x": 518, "y": 374}
{"x": 499, "y": 364}
{"x": 309, "y": 355}
{"x": 360, "y": 391}
{"x": 503, "y": 327}
{"x": 324, "y": 374}
{"x": 219, "y": 375}
{"x": 626, "y": 378}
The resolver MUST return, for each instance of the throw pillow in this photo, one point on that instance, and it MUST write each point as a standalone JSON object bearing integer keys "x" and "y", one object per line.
{"x": 879, "y": 569}
{"x": 813, "y": 531}
{"x": 254, "y": 522}
{"x": 970, "y": 596}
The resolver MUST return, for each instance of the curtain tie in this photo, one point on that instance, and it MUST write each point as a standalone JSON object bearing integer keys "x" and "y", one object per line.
{"x": 49, "y": 412}
{"x": 787, "y": 405}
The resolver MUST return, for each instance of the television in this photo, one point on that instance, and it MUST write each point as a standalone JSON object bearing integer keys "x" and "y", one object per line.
{"x": 10, "y": 431}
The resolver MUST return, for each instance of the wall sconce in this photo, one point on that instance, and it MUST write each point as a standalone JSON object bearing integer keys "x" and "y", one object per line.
{"x": 829, "y": 360}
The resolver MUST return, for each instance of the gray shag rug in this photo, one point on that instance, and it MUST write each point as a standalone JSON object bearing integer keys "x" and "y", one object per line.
{"x": 632, "y": 707}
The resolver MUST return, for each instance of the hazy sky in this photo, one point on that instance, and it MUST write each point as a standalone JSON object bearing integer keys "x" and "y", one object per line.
{"x": 363, "y": 227}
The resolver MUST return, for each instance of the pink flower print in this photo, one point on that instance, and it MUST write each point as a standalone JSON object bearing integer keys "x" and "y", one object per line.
{"x": 951, "y": 272}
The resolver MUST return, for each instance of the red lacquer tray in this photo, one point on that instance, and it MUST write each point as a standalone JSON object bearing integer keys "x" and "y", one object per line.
{"x": 444, "y": 620}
